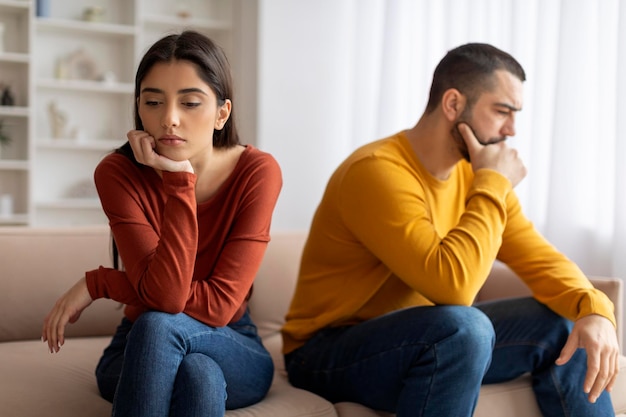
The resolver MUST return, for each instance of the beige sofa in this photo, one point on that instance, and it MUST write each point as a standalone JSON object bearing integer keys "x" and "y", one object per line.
{"x": 37, "y": 265}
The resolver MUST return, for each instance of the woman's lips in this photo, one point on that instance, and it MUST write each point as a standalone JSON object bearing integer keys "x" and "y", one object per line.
{"x": 171, "y": 140}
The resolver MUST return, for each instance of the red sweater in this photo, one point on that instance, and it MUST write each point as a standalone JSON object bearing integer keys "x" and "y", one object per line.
{"x": 180, "y": 256}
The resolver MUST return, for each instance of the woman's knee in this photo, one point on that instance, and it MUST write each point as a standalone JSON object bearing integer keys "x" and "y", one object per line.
{"x": 152, "y": 325}
{"x": 200, "y": 386}
{"x": 200, "y": 371}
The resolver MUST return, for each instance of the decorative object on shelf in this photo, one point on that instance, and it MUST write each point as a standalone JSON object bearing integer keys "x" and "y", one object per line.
{"x": 5, "y": 139}
{"x": 7, "y": 99}
{"x": 93, "y": 14}
{"x": 78, "y": 65}
{"x": 108, "y": 77}
{"x": 6, "y": 205}
{"x": 183, "y": 10}
{"x": 78, "y": 134}
{"x": 58, "y": 121}
{"x": 83, "y": 189}
{"x": 43, "y": 8}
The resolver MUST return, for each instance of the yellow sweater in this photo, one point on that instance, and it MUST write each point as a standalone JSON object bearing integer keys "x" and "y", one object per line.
{"x": 388, "y": 235}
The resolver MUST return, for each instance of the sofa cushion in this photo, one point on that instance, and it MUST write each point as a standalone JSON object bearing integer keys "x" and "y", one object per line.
{"x": 34, "y": 382}
{"x": 283, "y": 400}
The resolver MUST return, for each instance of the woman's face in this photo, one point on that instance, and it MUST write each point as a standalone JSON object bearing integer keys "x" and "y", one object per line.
{"x": 180, "y": 110}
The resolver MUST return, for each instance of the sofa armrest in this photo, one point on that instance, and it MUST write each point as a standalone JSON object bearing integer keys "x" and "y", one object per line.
{"x": 504, "y": 283}
{"x": 614, "y": 289}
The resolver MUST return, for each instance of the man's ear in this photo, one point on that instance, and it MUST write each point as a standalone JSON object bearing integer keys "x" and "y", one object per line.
{"x": 223, "y": 113}
{"x": 452, "y": 104}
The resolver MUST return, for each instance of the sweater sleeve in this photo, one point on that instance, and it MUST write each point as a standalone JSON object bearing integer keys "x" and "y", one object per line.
{"x": 387, "y": 210}
{"x": 553, "y": 278}
{"x": 158, "y": 251}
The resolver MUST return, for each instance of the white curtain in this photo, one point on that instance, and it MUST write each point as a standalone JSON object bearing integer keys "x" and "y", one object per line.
{"x": 335, "y": 74}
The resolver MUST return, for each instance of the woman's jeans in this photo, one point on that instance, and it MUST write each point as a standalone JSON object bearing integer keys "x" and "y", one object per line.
{"x": 173, "y": 365}
{"x": 431, "y": 361}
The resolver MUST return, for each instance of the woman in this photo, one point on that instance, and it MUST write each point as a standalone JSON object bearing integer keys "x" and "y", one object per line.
{"x": 190, "y": 210}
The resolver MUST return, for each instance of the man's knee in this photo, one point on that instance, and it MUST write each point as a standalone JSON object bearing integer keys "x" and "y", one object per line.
{"x": 472, "y": 332}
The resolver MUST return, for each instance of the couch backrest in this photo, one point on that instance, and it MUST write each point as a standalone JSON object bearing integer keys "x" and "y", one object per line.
{"x": 37, "y": 265}
{"x": 276, "y": 280}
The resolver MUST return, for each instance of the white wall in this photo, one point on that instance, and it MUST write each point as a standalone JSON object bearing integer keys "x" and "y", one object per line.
{"x": 299, "y": 117}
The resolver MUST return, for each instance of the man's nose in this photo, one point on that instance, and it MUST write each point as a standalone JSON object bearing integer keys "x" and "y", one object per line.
{"x": 509, "y": 127}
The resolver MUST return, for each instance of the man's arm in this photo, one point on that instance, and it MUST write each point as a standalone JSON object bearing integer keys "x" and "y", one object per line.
{"x": 560, "y": 284}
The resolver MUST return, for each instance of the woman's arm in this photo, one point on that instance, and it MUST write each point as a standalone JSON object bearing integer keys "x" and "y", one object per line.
{"x": 156, "y": 233}
{"x": 67, "y": 309}
{"x": 219, "y": 296}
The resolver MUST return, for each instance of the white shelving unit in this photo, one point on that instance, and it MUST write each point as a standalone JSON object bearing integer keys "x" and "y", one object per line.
{"x": 73, "y": 80}
{"x": 16, "y": 74}
{"x": 83, "y": 103}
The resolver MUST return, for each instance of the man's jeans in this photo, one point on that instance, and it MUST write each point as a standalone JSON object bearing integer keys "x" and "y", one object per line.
{"x": 173, "y": 365}
{"x": 431, "y": 361}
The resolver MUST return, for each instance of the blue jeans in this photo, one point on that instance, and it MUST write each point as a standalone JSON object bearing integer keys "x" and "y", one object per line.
{"x": 431, "y": 361}
{"x": 173, "y": 365}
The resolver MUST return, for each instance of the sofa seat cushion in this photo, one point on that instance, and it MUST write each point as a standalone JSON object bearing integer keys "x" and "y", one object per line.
{"x": 34, "y": 382}
{"x": 283, "y": 400}
{"x": 37, "y": 383}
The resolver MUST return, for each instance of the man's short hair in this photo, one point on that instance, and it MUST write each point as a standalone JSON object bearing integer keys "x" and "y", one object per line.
{"x": 469, "y": 68}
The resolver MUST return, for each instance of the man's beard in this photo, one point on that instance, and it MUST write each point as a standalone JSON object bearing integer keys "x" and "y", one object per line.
{"x": 460, "y": 142}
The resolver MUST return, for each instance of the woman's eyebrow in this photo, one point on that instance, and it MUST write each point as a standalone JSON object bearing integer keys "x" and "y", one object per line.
{"x": 182, "y": 91}
{"x": 151, "y": 90}
{"x": 192, "y": 90}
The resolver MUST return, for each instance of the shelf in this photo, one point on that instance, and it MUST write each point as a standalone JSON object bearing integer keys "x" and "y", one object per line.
{"x": 215, "y": 24}
{"x": 87, "y": 86}
{"x": 73, "y": 26}
{"x": 13, "y": 165}
{"x": 12, "y": 6}
{"x": 14, "y": 111}
{"x": 70, "y": 203}
{"x": 14, "y": 219}
{"x": 85, "y": 145}
{"x": 14, "y": 57}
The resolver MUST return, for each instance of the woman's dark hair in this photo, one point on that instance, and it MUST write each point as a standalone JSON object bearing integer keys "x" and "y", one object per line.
{"x": 212, "y": 66}
{"x": 469, "y": 68}
{"x": 214, "y": 69}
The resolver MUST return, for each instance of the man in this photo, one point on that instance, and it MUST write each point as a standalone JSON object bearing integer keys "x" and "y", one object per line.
{"x": 402, "y": 241}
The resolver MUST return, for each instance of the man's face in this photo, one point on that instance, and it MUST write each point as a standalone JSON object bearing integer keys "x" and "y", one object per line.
{"x": 492, "y": 116}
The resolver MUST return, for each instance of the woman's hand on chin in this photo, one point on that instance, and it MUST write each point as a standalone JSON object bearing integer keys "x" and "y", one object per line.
{"x": 144, "y": 146}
